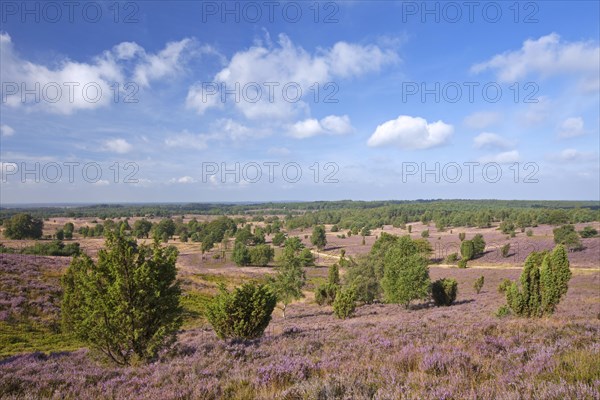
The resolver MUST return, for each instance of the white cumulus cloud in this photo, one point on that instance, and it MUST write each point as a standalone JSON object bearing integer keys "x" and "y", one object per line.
{"x": 409, "y": 132}
{"x": 330, "y": 125}
{"x": 547, "y": 56}
{"x": 120, "y": 146}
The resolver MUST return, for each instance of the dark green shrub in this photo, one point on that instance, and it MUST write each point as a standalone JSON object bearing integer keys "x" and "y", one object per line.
{"x": 344, "y": 304}
{"x": 588, "y": 232}
{"x": 461, "y": 236}
{"x": 467, "y": 250}
{"x": 325, "y": 294}
{"x": 244, "y": 313}
{"x": 504, "y": 285}
{"x": 505, "y": 250}
{"x": 241, "y": 254}
{"x": 544, "y": 281}
{"x": 425, "y": 233}
{"x": 444, "y": 291}
{"x": 451, "y": 258}
{"x": 478, "y": 284}
{"x": 529, "y": 232}
{"x": 261, "y": 255}
{"x": 567, "y": 236}
{"x": 462, "y": 263}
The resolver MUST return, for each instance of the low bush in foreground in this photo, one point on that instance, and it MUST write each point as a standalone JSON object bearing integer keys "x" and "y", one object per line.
{"x": 244, "y": 313}
{"x": 444, "y": 291}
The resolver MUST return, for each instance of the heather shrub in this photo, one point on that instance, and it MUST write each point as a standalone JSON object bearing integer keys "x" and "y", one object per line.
{"x": 444, "y": 291}
{"x": 126, "y": 305}
{"x": 462, "y": 263}
{"x": 344, "y": 304}
{"x": 478, "y": 284}
{"x": 543, "y": 282}
{"x": 244, "y": 313}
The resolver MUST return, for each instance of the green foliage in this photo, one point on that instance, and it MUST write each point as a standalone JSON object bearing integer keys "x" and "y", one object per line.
{"x": 278, "y": 239}
{"x": 462, "y": 263}
{"x": 567, "y": 236}
{"x": 461, "y": 236}
{"x": 318, "y": 237}
{"x": 361, "y": 274}
{"x": 409, "y": 228}
{"x": 23, "y": 226}
{"x": 478, "y": 245}
{"x": 467, "y": 250}
{"x": 244, "y": 313}
{"x": 165, "y": 229}
{"x": 345, "y": 303}
{"x": 365, "y": 231}
{"x": 554, "y": 278}
{"x": 503, "y": 311}
{"x": 444, "y": 291}
{"x": 127, "y": 304}
{"x": 333, "y": 275}
{"x": 529, "y": 232}
{"x": 544, "y": 281}
{"x": 141, "y": 228}
{"x": 478, "y": 284}
{"x": 505, "y": 250}
{"x": 307, "y": 258}
{"x": 335, "y": 228}
{"x": 425, "y": 233}
{"x": 451, "y": 258}
{"x": 54, "y": 248}
{"x": 241, "y": 254}
{"x": 507, "y": 227}
{"x": 406, "y": 277}
{"x": 504, "y": 285}
{"x": 261, "y": 255}
{"x": 287, "y": 284}
{"x": 588, "y": 232}
{"x": 325, "y": 293}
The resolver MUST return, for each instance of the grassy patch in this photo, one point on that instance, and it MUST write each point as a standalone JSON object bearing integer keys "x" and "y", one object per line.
{"x": 194, "y": 304}
{"x": 26, "y": 338}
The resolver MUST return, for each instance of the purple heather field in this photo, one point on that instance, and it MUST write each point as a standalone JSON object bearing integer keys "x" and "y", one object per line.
{"x": 384, "y": 352}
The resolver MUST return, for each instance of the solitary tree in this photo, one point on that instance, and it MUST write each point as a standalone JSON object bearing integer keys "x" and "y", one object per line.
{"x": 406, "y": 278}
{"x": 289, "y": 280}
{"x": 23, "y": 226}
{"x": 126, "y": 305}
{"x": 318, "y": 237}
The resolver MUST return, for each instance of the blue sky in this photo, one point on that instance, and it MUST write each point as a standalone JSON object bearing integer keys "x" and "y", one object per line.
{"x": 386, "y": 100}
